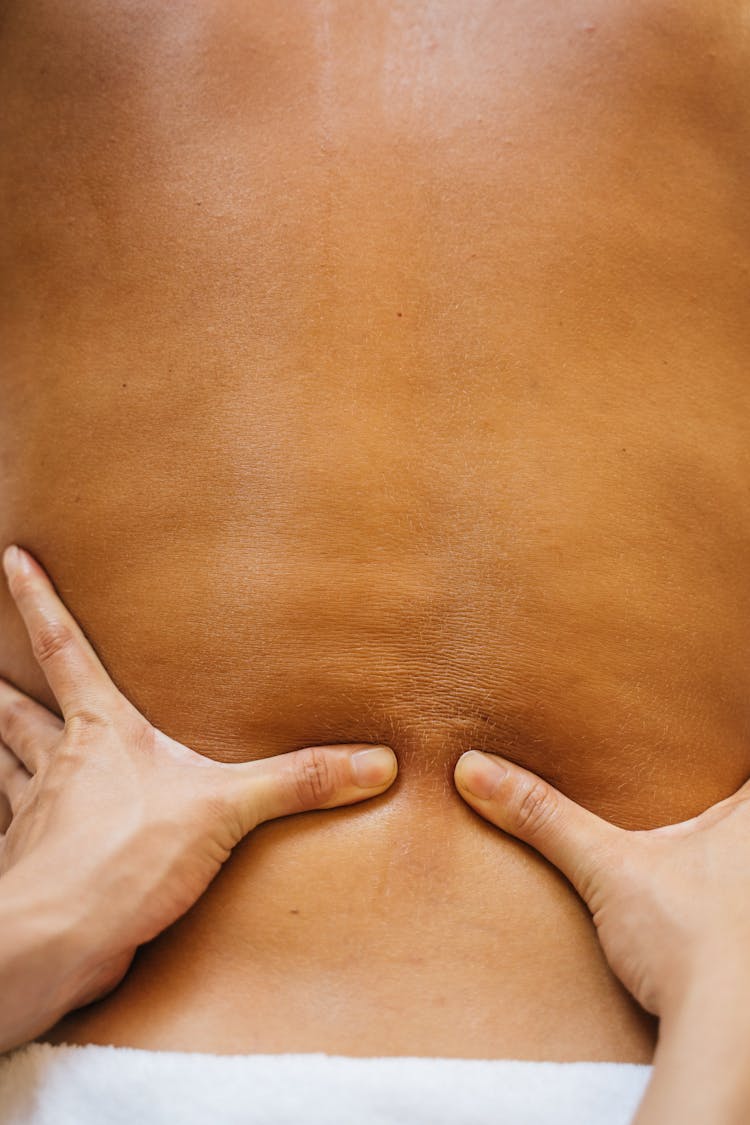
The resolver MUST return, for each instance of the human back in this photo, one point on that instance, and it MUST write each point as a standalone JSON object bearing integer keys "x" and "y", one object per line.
{"x": 379, "y": 374}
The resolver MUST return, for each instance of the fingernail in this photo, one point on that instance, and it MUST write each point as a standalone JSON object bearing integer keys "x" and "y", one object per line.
{"x": 11, "y": 558}
{"x": 481, "y": 773}
{"x": 373, "y": 767}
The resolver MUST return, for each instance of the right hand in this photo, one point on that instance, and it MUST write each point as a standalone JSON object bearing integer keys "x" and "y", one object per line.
{"x": 670, "y": 905}
{"x": 119, "y": 824}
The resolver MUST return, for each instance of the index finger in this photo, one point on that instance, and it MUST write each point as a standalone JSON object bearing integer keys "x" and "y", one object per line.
{"x": 73, "y": 670}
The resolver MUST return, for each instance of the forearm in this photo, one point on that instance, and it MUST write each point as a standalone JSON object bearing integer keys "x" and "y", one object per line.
{"x": 701, "y": 1069}
{"x": 41, "y": 961}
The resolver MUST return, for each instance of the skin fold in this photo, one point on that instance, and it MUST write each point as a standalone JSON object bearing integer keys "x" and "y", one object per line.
{"x": 378, "y": 373}
{"x": 115, "y": 830}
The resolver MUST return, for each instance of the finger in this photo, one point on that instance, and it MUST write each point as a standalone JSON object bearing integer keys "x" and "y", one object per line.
{"x": 13, "y": 778}
{"x": 319, "y": 777}
{"x": 73, "y": 670}
{"x": 26, "y": 727}
{"x": 525, "y": 806}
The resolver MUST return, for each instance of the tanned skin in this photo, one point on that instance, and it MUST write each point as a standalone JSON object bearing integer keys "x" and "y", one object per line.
{"x": 377, "y": 373}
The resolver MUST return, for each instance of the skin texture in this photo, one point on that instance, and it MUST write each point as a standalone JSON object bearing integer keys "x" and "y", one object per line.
{"x": 377, "y": 373}
{"x": 113, "y": 830}
{"x": 672, "y": 912}
{"x": 90, "y": 866}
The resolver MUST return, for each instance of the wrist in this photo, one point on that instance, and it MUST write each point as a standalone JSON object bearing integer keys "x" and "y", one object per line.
{"x": 700, "y": 1068}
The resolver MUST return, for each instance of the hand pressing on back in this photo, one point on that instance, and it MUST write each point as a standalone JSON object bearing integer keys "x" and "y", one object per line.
{"x": 115, "y": 829}
{"x": 671, "y": 908}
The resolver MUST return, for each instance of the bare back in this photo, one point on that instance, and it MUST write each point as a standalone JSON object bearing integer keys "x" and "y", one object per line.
{"x": 380, "y": 372}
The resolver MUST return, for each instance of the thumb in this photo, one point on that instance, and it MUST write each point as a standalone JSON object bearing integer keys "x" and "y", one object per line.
{"x": 525, "y": 806}
{"x": 318, "y": 777}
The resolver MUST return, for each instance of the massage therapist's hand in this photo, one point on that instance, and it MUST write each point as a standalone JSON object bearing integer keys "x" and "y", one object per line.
{"x": 116, "y": 829}
{"x": 672, "y": 911}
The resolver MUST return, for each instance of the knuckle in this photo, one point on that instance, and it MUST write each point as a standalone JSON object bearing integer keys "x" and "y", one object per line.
{"x": 51, "y": 640}
{"x": 314, "y": 779}
{"x": 536, "y": 809}
{"x": 83, "y": 721}
{"x": 69, "y": 756}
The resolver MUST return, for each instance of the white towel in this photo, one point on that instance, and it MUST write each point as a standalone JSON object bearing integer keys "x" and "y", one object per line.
{"x": 45, "y": 1085}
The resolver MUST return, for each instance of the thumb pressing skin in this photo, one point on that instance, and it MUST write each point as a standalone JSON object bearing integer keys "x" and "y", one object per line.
{"x": 525, "y": 806}
{"x": 318, "y": 777}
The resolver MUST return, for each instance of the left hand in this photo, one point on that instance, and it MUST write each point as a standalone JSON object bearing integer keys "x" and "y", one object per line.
{"x": 116, "y": 828}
